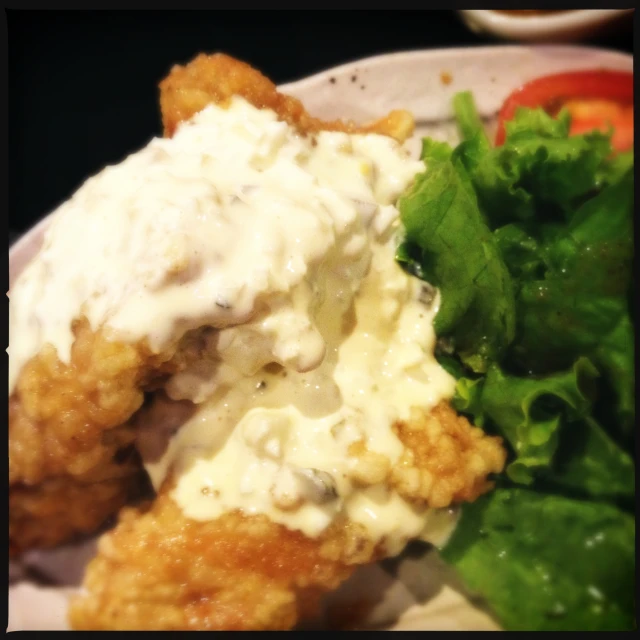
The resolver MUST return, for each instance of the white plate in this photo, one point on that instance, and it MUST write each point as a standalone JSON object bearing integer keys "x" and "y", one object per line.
{"x": 422, "y": 593}
{"x": 562, "y": 26}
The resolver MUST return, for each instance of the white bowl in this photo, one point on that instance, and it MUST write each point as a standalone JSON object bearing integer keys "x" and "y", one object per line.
{"x": 561, "y": 26}
{"x": 423, "y": 594}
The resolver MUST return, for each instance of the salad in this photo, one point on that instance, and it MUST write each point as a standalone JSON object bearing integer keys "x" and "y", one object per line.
{"x": 531, "y": 245}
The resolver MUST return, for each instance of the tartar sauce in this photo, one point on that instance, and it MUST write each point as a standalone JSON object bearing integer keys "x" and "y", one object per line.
{"x": 284, "y": 245}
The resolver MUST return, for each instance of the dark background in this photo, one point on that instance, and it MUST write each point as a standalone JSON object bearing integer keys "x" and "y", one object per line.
{"x": 83, "y": 84}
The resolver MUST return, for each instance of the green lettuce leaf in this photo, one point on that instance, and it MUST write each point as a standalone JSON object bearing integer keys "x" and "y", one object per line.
{"x": 548, "y": 423}
{"x": 521, "y": 251}
{"x": 546, "y": 562}
{"x": 539, "y": 169}
{"x": 589, "y": 463}
{"x": 538, "y": 232}
{"x": 614, "y": 169}
{"x": 469, "y": 122}
{"x": 529, "y": 412}
{"x": 580, "y": 306}
{"x": 441, "y": 216}
{"x": 537, "y": 123}
{"x": 594, "y": 251}
{"x": 468, "y": 399}
{"x": 615, "y": 355}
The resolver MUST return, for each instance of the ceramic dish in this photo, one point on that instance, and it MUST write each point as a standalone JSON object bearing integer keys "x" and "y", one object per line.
{"x": 416, "y": 591}
{"x": 555, "y": 26}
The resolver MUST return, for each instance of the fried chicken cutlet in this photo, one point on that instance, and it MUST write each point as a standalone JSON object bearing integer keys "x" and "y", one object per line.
{"x": 67, "y": 417}
{"x": 215, "y": 78}
{"x": 254, "y": 519}
{"x": 158, "y": 570}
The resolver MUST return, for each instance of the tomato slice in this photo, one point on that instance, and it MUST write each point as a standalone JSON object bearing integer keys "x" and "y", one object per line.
{"x": 591, "y": 115}
{"x": 596, "y": 99}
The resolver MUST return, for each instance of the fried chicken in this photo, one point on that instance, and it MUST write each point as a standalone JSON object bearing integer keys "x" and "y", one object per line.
{"x": 158, "y": 570}
{"x": 446, "y": 459}
{"x": 216, "y": 78}
{"x": 67, "y": 423}
{"x": 64, "y": 437}
{"x": 71, "y": 461}
{"x": 71, "y": 429}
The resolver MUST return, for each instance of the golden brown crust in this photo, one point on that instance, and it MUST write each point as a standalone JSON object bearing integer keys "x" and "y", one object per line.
{"x": 67, "y": 429}
{"x": 58, "y": 509}
{"x": 446, "y": 460}
{"x": 214, "y": 79}
{"x": 59, "y": 413}
{"x": 63, "y": 440}
{"x": 160, "y": 570}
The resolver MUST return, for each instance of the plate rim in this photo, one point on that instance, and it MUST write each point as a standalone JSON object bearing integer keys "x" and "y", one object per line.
{"x": 469, "y": 50}
{"x": 31, "y": 235}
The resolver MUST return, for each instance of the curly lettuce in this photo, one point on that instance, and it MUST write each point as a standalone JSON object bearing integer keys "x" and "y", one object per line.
{"x": 546, "y": 562}
{"x": 531, "y": 246}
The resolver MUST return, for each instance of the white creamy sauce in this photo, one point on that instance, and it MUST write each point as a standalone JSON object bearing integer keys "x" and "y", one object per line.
{"x": 285, "y": 244}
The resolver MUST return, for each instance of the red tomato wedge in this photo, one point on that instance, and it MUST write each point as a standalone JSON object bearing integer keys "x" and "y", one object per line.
{"x": 596, "y": 100}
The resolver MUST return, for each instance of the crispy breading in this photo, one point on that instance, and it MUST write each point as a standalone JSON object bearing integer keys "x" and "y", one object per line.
{"x": 446, "y": 459}
{"x": 60, "y": 508}
{"x": 68, "y": 430}
{"x": 216, "y": 78}
{"x": 64, "y": 437}
{"x": 49, "y": 433}
{"x": 159, "y": 570}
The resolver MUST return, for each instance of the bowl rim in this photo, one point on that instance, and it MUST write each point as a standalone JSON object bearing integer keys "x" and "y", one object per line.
{"x": 546, "y": 26}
